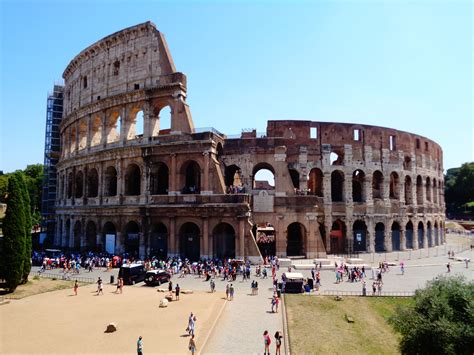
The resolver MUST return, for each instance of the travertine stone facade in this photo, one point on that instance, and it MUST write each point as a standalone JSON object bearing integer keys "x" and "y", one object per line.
{"x": 339, "y": 188}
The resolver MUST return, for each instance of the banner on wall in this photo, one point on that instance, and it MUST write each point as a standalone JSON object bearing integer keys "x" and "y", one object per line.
{"x": 110, "y": 243}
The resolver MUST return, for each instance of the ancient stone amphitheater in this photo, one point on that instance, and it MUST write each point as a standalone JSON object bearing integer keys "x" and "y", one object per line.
{"x": 128, "y": 184}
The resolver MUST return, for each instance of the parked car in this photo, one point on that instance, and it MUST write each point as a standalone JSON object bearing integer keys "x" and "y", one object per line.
{"x": 157, "y": 277}
{"x": 132, "y": 273}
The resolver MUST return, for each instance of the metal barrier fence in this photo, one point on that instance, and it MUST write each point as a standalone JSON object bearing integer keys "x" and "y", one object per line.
{"x": 66, "y": 277}
{"x": 369, "y": 294}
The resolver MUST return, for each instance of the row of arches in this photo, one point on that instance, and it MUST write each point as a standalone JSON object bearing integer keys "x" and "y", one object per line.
{"x": 156, "y": 241}
{"x": 86, "y": 184}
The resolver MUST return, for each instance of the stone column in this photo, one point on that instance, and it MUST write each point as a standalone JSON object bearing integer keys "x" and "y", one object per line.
{"x": 83, "y": 234}
{"x": 142, "y": 245}
{"x": 401, "y": 189}
{"x": 172, "y": 250}
{"x": 368, "y": 198}
{"x": 403, "y": 241}
{"x": 72, "y": 237}
{"x": 118, "y": 243}
{"x": 99, "y": 239}
{"x": 120, "y": 178}
{"x": 388, "y": 236}
{"x": 103, "y": 138}
{"x": 327, "y": 227}
{"x": 76, "y": 124}
{"x": 311, "y": 246}
{"x": 206, "y": 248}
{"x": 173, "y": 184}
{"x": 205, "y": 188}
{"x": 280, "y": 237}
{"x": 327, "y": 187}
{"x": 241, "y": 238}
{"x": 348, "y": 188}
{"x": 370, "y": 235}
{"x": 89, "y": 132}
{"x": 124, "y": 125}
{"x": 147, "y": 124}
{"x": 349, "y": 236}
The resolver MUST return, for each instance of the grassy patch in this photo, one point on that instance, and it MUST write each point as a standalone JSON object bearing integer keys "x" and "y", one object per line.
{"x": 318, "y": 325}
{"x": 36, "y": 286}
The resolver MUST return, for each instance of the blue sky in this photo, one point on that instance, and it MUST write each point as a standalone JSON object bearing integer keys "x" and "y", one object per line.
{"x": 401, "y": 64}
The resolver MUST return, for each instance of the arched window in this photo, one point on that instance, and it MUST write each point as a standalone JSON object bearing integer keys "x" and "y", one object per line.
{"x": 96, "y": 131}
{"x": 421, "y": 235}
{"x": 133, "y": 180}
{"x": 70, "y": 185}
{"x": 114, "y": 122}
{"x": 79, "y": 184}
{"x": 189, "y": 241}
{"x": 110, "y": 181}
{"x": 315, "y": 182}
{"x": 159, "y": 241}
{"x": 223, "y": 237}
{"x": 395, "y": 236}
{"x": 159, "y": 179}
{"x": 91, "y": 236}
{"x": 295, "y": 178}
{"x": 82, "y": 134}
{"x": 377, "y": 184}
{"x": 358, "y": 178}
{"x": 360, "y": 236}
{"x": 132, "y": 239}
{"x": 191, "y": 175}
{"x": 394, "y": 186}
{"x": 338, "y": 237}
{"x": 337, "y": 186}
{"x": 139, "y": 123}
{"x": 435, "y": 192}
{"x": 77, "y": 231}
{"x": 428, "y": 189}
{"x": 409, "y": 235}
{"x": 165, "y": 120}
{"x": 232, "y": 176}
{"x": 336, "y": 157}
{"x": 263, "y": 177}
{"x": 419, "y": 190}
{"x": 408, "y": 191}
{"x": 92, "y": 183}
{"x": 379, "y": 237}
{"x": 295, "y": 243}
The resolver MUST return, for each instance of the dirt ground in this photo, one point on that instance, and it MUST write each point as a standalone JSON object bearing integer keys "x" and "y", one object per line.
{"x": 36, "y": 286}
{"x": 60, "y": 323}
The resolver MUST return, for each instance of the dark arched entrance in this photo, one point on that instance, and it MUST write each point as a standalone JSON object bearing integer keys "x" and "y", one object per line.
{"x": 132, "y": 239}
{"x": 159, "y": 241}
{"x": 91, "y": 236}
{"x": 189, "y": 241}
{"x": 421, "y": 235}
{"x": 429, "y": 234}
{"x": 132, "y": 180}
{"x": 436, "y": 233}
{"x": 338, "y": 237}
{"x": 192, "y": 178}
{"x": 409, "y": 235}
{"x": 77, "y": 235}
{"x": 159, "y": 179}
{"x": 68, "y": 233}
{"x": 360, "y": 236}
{"x": 379, "y": 237}
{"x": 295, "y": 240}
{"x": 395, "y": 236}
{"x": 109, "y": 237}
{"x": 223, "y": 237}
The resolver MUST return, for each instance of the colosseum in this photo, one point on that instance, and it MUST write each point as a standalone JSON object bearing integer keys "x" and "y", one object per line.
{"x": 129, "y": 184}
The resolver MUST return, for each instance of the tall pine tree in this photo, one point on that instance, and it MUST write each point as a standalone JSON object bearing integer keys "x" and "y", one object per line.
{"x": 14, "y": 235}
{"x": 28, "y": 224}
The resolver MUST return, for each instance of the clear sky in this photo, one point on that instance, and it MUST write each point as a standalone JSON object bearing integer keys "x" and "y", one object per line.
{"x": 401, "y": 64}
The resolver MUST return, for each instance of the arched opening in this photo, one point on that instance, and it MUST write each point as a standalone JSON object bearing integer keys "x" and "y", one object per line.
{"x": 165, "y": 120}
{"x": 322, "y": 232}
{"x": 159, "y": 241}
{"x": 379, "y": 237}
{"x": 360, "y": 236}
{"x": 79, "y": 184}
{"x": 358, "y": 178}
{"x": 109, "y": 237}
{"x": 407, "y": 163}
{"x": 337, "y": 186}
{"x": 408, "y": 191}
{"x": 96, "y": 131}
{"x": 132, "y": 180}
{"x": 92, "y": 183}
{"x": 295, "y": 178}
{"x": 336, "y": 158}
{"x": 265, "y": 237}
{"x": 428, "y": 189}
{"x": 263, "y": 177}
{"x": 436, "y": 233}
{"x": 132, "y": 239}
{"x": 421, "y": 235}
{"x": 67, "y": 239}
{"x": 394, "y": 186}
{"x": 429, "y": 234}
{"x": 395, "y": 236}
{"x": 377, "y": 185}
{"x": 91, "y": 236}
{"x": 419, "y": 190}
{"x": 232, "y": 177}
{"x": 315, "y": 182}
{"x": 192, "y": 177}
{"x": 139, "y": 123}
{"x": 82, "y": 132}
{"x": 338, "y": 237}
{"x": 409, "y": 235}
{"x": 159, "y": 179}
{"x": 114, "y": 122}
{"x": 219, "y": 151}
{"x": 70, "y": 185}
{"x": 295, "y": 239}
{"x": 223, "y": 237}
{"x": 110, "y": 181}
{"x": 77, "y": 231}
{"x": 189, "y": 241}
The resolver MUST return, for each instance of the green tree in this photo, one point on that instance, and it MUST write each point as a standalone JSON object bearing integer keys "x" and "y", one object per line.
{"x": 459, "y": 184}
{"x": 28, "y": 224}
{"x": 34, "y": 182}
{"x": 14, "y": 235}
{"x": 441, "y": 320}
{"x": 3, "y": 188}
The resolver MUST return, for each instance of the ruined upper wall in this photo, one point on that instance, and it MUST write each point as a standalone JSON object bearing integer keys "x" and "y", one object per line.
{"x": 134, "y": 58}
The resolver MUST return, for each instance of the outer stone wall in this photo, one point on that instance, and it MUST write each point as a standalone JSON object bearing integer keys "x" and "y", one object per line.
{"x": 152, "y": 190}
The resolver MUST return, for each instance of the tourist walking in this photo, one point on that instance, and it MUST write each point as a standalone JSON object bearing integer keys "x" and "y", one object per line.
{"x": 100, "y": 287}
{"x": 76, "y": 286}
{"x": 191, "y": 324}
{"x": 177, "y": 290}
{"x": 231, "y": 292}
{"x": 278, "y": 338}
{"x": 213, "y": 286}
{"x": 267, "y": 341}
{"x": 139, "y": 346}
{"x": 121, "y": 285}
{"x": 402, "y": 268}
{"x": 227, "y": 291}
{"x": 192, "y": 345}
{"x": 448, "y": 265}
{"x": 364, "y": 288}
{"x": 170, "y": 288}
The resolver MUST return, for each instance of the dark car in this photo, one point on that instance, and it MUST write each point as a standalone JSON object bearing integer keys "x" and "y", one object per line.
{"x": 132, "y": 273}
{"x": 157, "y": 277}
